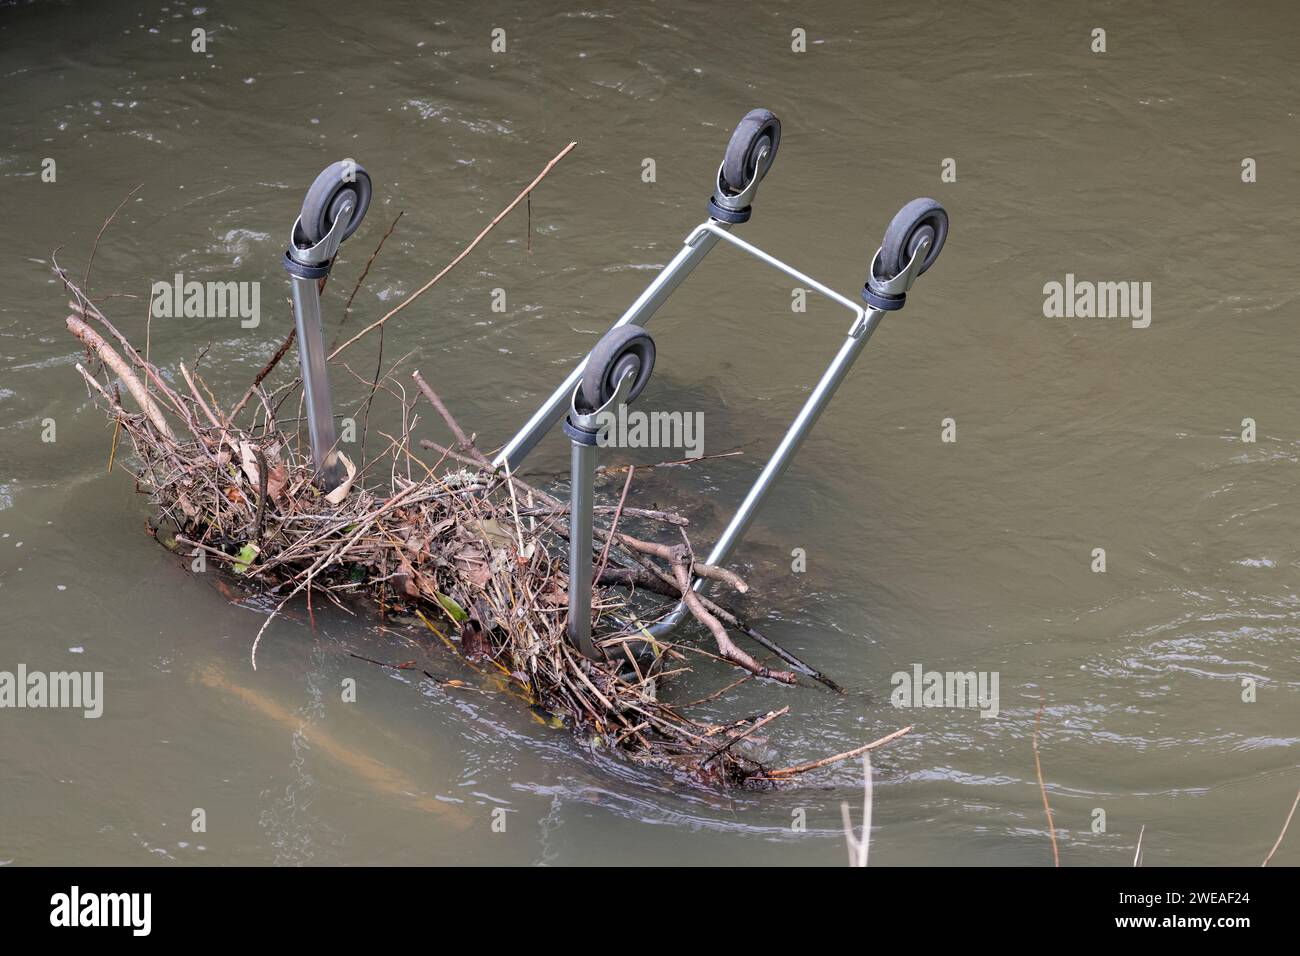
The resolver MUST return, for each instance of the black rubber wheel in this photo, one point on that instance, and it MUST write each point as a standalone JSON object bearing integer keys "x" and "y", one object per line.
{"x": 919, "y": 219}
{"x": 326, "y": 196}
{"x": 740, "y": 164}
{"x": 628, "y": 346}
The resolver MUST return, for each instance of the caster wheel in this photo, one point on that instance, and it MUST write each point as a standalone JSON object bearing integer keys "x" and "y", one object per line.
{"x": 326, "y": 196}
{"x": 740, "y": 164}
{"x": 626, "y": 347}
{"x": 919, "y": 219}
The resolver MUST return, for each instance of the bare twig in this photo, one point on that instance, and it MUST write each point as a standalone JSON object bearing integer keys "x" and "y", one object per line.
{"x": 463, "y": 441}
{"x": 726, "y": 647}
{"x": 613, "y": 525}
{"x": 1042, "y": 787}
{"x": 266, "y": 370}
{"x": 766, "y": 719}
{"x": 114, "y": 361}
{"x": 1280, "y": 836}
{"x": 463, "y": 253}
{"x": 858, "y": 847}
{"x": 85, "y": 279}
{"x": 827, "y": 761}
{"x": 347, "y": 306}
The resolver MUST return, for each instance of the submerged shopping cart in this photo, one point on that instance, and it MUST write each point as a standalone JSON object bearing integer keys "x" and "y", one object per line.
{"x": 616, "y": 371}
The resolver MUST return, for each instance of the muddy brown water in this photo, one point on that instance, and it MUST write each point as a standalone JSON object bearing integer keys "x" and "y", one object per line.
{"x": 1072, "y": 434}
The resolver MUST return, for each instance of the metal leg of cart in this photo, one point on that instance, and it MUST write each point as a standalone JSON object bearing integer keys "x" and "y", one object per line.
{"x": 335, "y": 204}
{"x": 616, "y": 372}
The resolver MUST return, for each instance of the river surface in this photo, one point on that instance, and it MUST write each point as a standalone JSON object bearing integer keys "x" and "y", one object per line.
{"x": 979, "y": 554}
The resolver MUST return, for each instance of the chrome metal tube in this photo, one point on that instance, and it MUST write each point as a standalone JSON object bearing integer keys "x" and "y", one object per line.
{"x": 697, "y": 245}
{"x": 776, "y": 464}
{"x": 582, "y": 462}
{"x": 315, "y": 381}
{"x": 794, "y": 436}
{"x": 718, "y": 231}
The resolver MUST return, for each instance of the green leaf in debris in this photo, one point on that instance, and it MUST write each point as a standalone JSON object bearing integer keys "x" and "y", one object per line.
{"x": 456, "y": 612}
{"x": 245, "y": 558}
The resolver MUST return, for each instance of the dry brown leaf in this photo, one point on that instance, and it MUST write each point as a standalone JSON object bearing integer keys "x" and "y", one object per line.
{"x": 476, "y": 574}
{"x": 406, "y": 576}
{"x": 473, "y": 642}
{"x": 338, "y": 494}
{"x": 248, "y": 461}
{"x": 276, "y": 480}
